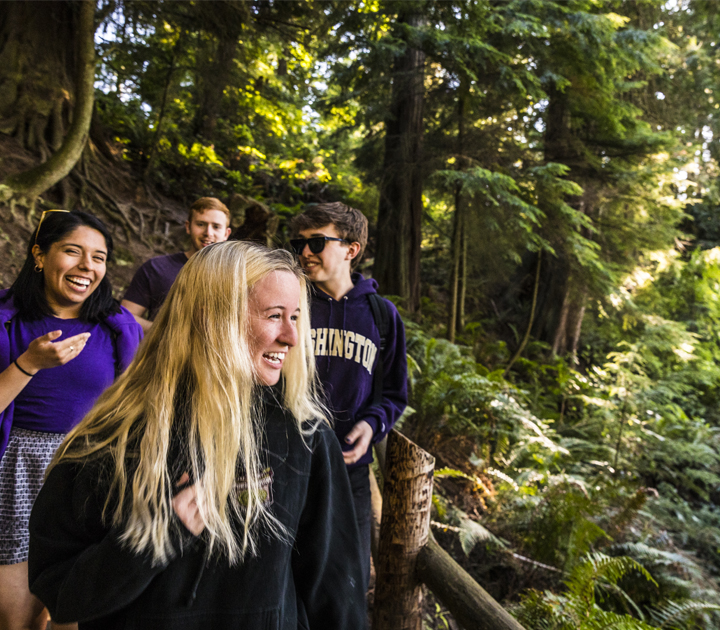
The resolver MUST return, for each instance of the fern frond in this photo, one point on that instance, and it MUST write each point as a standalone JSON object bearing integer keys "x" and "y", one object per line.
{"x": 543, "y": 611}
{"x": 471, "y": 533}
{"x": 615, "y": 589}
{"x": 605, "y": 620}
{"x": 598, "y": 566}
{"x": 668, "y": 615}
{"x": 452, "y": 473}
{"x": 613, "y": 569}
{"x": 652, "y": 555}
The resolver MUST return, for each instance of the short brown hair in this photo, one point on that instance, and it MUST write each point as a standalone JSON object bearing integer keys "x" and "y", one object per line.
{"x": 209, "y": 203}
{"x": 350, "y": 223}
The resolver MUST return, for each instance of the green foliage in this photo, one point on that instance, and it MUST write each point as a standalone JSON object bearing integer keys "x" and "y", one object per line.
{"x": 674, "y": 616}
{"x": 582, "y": 130}
{"x": 578, "y": 608}
{"x": 622, "y": 456}
{"x": 195, "y": 121}
{"x": 447, "y": 383}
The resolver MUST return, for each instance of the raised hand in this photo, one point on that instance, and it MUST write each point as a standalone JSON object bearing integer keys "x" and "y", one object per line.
{"x": 44, "y": 352}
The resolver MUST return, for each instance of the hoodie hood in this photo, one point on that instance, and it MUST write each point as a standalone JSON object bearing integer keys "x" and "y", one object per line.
{"x": 362, "y": 287}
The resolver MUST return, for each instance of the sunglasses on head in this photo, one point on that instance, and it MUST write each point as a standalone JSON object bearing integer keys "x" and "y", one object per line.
{"x": 42, "y": 217}
{"x": 315, "y": 243}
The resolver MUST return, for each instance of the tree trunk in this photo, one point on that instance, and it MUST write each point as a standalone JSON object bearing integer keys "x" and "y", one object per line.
{"x": 37, "y": 180}
{"x": 152, "y": 149}
{"x": 36, "y": 62}
{"x": 457, "y": 292}
{"x": 567, "y": 335}
{"x": 458, "y": 271}
{"x": 453, "y": 306}
{"x": 558, "y": 140}
{"x": 223, "y": 22}
{"x": 559, "y": 339}
{"x": 466, "y": 600}
{"x": 212, "y": 84}
{"x": 397, "y": 260}
{"x": 557, "y": 283}
{"x": 405, "y": 526}
{"x": 578, "y": 317}
{"x": 528, "y": 329}
{"x": 463, "y": 277}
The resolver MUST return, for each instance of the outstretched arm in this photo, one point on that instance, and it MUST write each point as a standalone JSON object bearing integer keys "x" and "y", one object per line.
{"x": 42, "y": 353}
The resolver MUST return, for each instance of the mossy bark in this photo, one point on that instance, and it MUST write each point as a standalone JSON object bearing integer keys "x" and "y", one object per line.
{"x": 34, "y": 62}
{"x": 41, "y": 48}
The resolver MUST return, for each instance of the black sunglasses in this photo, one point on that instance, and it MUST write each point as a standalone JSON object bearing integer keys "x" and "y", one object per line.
{"x": 316, "y": 243}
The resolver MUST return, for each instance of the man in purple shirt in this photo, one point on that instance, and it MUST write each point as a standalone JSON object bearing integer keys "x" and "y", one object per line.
{"x": 208, "y": 223}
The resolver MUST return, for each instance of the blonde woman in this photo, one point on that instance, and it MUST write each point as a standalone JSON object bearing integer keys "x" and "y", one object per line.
{"x": 204, "y": 489}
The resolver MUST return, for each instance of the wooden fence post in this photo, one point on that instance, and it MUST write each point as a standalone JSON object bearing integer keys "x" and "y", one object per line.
{"x": 376, "y": 500}
{"x": 375, "y": 518}
{"x": 470, "y": 604}
{"x": 407, "y": 497}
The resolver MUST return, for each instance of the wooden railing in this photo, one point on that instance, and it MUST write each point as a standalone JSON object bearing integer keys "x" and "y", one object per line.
{"x": 406, "y": 555}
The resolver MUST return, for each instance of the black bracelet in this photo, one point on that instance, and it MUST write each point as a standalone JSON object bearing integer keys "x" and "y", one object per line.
{"x": 23, "y": 371}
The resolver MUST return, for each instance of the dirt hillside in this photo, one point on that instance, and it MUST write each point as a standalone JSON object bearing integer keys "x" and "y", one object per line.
{"x": 142, "y": 222}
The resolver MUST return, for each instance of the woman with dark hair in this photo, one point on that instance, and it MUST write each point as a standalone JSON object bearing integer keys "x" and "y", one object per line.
{"x": 63, "y": 340}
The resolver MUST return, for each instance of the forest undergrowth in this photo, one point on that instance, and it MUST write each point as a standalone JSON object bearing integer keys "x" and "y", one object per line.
{"x": 584, "y": 491}
{"x": 569, "y": 168}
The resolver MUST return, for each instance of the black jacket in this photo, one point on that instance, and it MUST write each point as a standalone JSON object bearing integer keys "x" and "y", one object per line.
{"x": 81, "y": 572}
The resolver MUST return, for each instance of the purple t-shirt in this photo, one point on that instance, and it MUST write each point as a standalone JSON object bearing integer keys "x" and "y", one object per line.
{"x": 151, "y": 283}
{"x": 56, "y": 399}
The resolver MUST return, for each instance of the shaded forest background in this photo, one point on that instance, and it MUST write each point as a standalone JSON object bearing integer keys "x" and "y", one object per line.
{"x": 541, "y": 182}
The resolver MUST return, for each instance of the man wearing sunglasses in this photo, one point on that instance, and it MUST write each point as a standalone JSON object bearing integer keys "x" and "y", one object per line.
{"x": 330, "y": 239}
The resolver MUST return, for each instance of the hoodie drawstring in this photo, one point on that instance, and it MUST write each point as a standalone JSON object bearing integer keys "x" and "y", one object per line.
{"x": 345, "y": 301}
{"x": 327, "y": 363}
{"x": 193, "y": 593}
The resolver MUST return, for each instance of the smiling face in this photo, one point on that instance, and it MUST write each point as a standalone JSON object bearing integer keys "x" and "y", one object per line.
{"x": 333, "y": 263}
{"x": 206, "y": 228}
{"x": 274, "y": 310}
{"x": 72, "y": 269}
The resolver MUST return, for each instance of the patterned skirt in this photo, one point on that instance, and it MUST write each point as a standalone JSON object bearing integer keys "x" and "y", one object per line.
{"x": 22, "y": 471}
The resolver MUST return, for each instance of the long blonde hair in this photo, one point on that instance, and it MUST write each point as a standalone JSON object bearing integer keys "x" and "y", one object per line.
{"x": 198, "y": 347}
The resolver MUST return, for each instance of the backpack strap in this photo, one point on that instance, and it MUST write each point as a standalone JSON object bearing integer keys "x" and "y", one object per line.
{"x": 382, "y": 321}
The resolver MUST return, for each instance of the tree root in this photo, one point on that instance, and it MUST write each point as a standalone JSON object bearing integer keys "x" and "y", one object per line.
{"x": 123, "y": 210}
{"x": 103, "y": 197}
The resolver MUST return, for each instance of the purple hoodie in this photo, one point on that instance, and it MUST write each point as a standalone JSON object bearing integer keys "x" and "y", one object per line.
{"x": 126, "y": 333}
{"x": 346, "y": 342}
